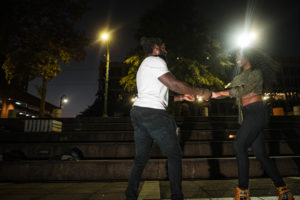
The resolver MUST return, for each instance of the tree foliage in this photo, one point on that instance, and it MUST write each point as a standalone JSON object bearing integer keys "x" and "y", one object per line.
{"x": 190, "y": 71}
{"x": 193, "y": 55}
{"x": 36, "y": 37}
{"x": 195, "y": 74}
{"x": 129, "y": 81}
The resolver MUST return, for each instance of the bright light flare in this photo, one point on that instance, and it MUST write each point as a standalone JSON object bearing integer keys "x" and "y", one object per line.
{"x": 199, "y": 99}
{"x": 133, "y": 99}
{"x": 231, "y": 136}
{"x": 104, "y": 36}
{"x": 246, "y": 39}
{"x": 252, "y": 36}
{"x": 65, "y": 100}
{"x": 266, "y": 96}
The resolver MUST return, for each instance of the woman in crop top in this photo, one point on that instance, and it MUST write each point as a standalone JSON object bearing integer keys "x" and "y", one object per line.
{"x": 258, "y": 73}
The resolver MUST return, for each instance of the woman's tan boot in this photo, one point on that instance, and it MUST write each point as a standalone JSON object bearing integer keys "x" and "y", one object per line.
{"x": 242, "y": 194}
{"x": 284, "y": 193}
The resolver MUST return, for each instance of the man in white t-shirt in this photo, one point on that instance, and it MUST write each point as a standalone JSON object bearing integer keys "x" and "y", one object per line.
{"x": 150, "y": 120}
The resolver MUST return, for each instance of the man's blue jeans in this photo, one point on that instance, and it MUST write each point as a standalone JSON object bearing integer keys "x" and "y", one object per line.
{"x": 154, "y": 125}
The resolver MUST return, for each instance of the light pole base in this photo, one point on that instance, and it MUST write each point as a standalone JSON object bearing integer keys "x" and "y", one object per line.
{"x": 105, "y": 115}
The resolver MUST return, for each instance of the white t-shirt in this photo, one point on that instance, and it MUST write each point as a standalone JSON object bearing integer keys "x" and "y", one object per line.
{"x": 151, "y": 92}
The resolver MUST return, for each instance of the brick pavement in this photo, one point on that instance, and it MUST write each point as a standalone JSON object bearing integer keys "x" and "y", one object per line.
{"x": 261, "y": 188}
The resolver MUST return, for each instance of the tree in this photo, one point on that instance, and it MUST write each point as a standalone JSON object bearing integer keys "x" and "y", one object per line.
{"x": 39, "y": 36}
{"x": 190, "y": 71}
{"x": 193, "y": 55}
{"x": 129, "y": 81}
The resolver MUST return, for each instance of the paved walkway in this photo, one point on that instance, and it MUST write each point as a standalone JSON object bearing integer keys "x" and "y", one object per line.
{"x": 261, "y": 188}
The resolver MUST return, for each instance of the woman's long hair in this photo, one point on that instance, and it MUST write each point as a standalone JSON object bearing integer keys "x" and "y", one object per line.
{"x": 265, "y": 63}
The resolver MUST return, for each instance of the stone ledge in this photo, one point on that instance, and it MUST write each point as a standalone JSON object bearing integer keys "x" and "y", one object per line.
{"x": 156, "y": 169}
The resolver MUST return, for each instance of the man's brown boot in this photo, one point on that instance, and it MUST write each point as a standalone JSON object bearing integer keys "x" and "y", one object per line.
{"x": 284, "y": 193}
{"x": 242, "y": 194}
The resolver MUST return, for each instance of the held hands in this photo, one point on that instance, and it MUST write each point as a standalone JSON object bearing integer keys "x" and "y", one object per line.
{"x": 215, "y": 95}
{"x": 204, "y": 94}
{"x": 188, "y": 97}
{"x": 220, "y": 94}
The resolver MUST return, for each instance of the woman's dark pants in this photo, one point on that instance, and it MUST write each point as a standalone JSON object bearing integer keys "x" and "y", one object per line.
{"x": 251, "y": 135}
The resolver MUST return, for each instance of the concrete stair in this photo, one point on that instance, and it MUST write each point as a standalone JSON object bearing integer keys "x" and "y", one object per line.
{"x": 108, "y": 149}
{"x": 125, "y": 150}
{"x": 118, "y": 169}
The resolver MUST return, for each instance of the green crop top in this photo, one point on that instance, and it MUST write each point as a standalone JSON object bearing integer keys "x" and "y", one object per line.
{"x": 246, "y": 82}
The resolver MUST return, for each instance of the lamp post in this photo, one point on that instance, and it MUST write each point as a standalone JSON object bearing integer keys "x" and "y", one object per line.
{"x": 63, "y": 100}
{"x": 105, "y": 37}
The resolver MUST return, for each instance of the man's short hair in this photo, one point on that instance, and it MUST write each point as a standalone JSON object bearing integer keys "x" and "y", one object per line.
{"x": 148, "y": 43}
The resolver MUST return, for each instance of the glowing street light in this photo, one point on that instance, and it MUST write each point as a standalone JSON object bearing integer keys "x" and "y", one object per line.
{"x": 105, "y": 37}
{"x": 246, "y": 39}
{"x": 63, "y": 100}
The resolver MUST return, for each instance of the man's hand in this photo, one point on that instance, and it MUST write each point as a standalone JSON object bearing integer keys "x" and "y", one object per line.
{"x": 188, "y": 97}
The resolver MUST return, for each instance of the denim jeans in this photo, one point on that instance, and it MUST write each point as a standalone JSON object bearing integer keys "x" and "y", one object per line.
{"x": 251, "y": 135}
{"x": 158, "y": 126}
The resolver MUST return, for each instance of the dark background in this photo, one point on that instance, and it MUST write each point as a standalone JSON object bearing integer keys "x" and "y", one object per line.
{"x": 277, "y": 23}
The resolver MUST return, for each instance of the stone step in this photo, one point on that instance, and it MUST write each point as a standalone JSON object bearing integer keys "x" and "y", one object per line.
{"x": 184, "y": 125}
{"x": 128, "y": 126}
{"x": 123, "y": 123}
{"x": 156, "y": 169}
{"x": 126, "y": 136}
{"x": 195, "y": 119}
{"x": 188, "y": 125}
{"x": 115, "y": 150}
{"x": 127, "y": 119}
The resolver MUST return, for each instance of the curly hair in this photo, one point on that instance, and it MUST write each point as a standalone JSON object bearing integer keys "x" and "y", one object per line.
{"x": 148, "y": 43}
{"x": 265, "y": 63}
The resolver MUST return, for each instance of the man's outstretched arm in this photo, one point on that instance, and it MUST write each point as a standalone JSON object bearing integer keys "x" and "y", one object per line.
{"x": 182, "y": 88}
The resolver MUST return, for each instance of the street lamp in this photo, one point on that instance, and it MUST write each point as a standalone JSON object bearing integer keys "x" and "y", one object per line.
{"x": 63, "y": 100}
{"x": 105, "y": 37}
{"x": 246, "y": 39}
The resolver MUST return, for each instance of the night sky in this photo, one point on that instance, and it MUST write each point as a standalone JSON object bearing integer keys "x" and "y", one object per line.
{"x": 277, "y": 23}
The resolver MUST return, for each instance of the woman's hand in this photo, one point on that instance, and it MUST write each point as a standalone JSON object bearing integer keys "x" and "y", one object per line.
{"x": 215, "y": 95}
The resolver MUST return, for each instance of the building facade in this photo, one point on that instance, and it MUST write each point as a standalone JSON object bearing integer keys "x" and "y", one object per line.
{"x": 16, "y": 102}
